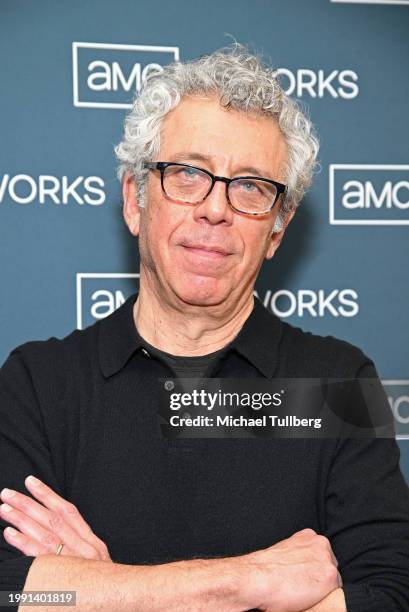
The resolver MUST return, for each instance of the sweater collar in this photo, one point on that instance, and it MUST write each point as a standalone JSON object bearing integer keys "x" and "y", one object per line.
{"x": 258, "y": 339}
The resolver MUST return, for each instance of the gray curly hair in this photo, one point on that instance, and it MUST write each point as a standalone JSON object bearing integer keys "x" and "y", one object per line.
{"x": 242, "y": 82}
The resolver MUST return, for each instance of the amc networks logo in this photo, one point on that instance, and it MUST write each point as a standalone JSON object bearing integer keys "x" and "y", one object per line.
{"x": 369, "y": 194}
{"x": 397, "y": 392}
{"x": 99, "y": 294}
{"x": 107, "y": 76}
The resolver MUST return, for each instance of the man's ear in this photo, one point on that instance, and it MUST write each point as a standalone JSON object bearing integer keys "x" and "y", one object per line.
{"x": 131, "y": 209}
{"x": 276, "y": 237}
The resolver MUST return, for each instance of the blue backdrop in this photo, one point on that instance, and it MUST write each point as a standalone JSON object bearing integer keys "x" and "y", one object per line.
{"x": 68, "y": 73}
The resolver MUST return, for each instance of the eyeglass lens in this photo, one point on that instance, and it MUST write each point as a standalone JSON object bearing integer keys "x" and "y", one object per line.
{"x": 192, "y": 184}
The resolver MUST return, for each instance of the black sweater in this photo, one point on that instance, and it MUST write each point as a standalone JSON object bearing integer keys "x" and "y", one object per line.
{"x": 81, "y": 414}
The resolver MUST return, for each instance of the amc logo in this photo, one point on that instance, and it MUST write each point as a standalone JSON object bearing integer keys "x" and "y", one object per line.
{"x": 397, "y": 392}
{"x": 107, "y": 76}
{"x": 368, "y": 194}
{"x": 99, "y": 294}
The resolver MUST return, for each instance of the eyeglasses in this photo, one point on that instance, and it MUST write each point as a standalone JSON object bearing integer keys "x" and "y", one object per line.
{"x": 251, "y": 195}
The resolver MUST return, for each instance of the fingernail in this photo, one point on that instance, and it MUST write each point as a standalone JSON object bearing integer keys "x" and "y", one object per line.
{"x": 32, "y": 480}
{"x": 6, "y": 507}
{"x": 11, "y": 531}
{"x": 8, "y": 493}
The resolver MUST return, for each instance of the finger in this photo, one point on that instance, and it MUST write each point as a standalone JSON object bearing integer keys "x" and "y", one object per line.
{"x": 51, "y": 520}
{"x": 66, "y": 509}
{"x": 45, "y": 540}
{"x": 26, "y": 545}
{"x": 45, "y": 526}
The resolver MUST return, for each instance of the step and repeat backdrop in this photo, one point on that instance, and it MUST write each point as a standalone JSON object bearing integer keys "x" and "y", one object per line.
{"x": 69, "y": 71}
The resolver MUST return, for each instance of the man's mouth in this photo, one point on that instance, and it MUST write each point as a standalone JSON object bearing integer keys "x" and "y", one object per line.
{"x": 206, "y": 250}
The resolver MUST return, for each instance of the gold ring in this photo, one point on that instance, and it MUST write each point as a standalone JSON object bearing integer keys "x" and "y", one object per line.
{"x": 59, "y": 548}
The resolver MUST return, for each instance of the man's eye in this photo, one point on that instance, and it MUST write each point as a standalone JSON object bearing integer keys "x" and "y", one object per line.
{"x": 249, "y": 186}
{"x": 190, "y": 172}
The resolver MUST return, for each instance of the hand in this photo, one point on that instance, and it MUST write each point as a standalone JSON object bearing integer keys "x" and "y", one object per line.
{"x": 44, "y": 526}
{"x": 292, "y": 575}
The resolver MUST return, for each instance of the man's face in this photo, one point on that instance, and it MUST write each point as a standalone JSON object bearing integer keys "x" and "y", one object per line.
{"x": 227, "y": 143}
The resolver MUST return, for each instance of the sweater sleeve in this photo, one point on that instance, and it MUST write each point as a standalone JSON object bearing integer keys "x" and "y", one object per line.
{"x": 367, "y": 510}
{"x": 23, "y": 451}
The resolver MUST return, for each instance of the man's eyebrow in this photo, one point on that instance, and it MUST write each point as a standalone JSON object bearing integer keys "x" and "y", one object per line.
{"x": 190, "y": 155}
{"x": 184, "y": 155}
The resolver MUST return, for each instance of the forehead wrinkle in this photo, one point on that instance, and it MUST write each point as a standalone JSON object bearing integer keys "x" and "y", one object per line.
{"x": 187, "y": 156}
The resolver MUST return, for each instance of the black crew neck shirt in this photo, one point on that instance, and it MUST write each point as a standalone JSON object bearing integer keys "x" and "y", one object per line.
{"x": 184, "y": 366}
{"x": 81, "y": 413}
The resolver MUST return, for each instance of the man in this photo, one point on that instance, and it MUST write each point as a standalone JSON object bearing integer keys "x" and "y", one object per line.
{"x": 134, "y": 521}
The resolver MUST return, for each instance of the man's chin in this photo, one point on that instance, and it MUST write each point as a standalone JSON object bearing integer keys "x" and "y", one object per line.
{"x": 205, "y": 294}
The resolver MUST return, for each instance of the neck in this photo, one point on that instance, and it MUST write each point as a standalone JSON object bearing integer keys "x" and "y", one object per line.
{"x": 178, "y": 328}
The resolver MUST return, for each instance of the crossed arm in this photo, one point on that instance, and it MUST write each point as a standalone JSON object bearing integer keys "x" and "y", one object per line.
{"x": 296, "y": 574}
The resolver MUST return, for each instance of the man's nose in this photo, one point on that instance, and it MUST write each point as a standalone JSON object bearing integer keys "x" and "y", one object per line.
{"x": 216, "y": 206}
